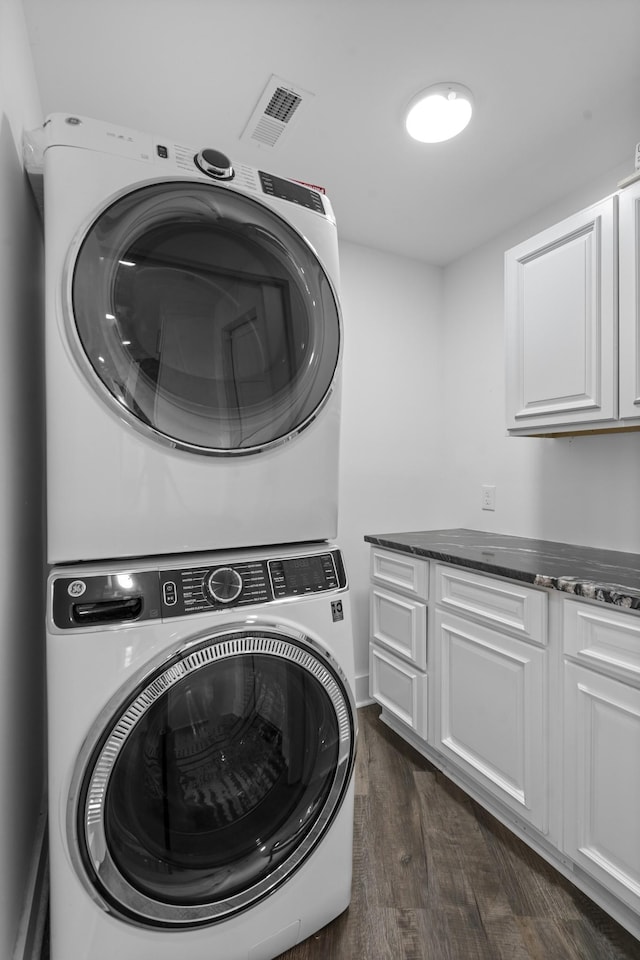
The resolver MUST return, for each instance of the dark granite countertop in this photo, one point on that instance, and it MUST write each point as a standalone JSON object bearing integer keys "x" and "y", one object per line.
{"x": 610, "y": 576}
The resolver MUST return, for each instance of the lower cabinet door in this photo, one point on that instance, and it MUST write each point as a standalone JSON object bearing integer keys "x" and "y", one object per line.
{"x": 602, "y": 779}
{"x": 491, "y": 713}
{"x": 399, "y": 688}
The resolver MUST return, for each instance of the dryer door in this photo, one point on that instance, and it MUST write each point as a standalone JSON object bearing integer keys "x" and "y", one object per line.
{"x": 215, "y": 780}
{"x": 204, "y": 317}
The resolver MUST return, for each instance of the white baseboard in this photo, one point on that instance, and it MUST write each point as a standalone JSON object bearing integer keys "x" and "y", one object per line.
{"x": 36, "y": 901}
{"x": 363, "y": 698}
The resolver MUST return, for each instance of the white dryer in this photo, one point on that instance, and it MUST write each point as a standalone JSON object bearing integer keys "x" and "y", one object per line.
{"x": 193, "y": 346}
{"x": 202, "y": 733}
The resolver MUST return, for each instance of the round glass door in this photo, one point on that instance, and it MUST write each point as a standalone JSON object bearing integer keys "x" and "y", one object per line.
{"x": 216, "y": 780}
{"x": 206, "y": 318}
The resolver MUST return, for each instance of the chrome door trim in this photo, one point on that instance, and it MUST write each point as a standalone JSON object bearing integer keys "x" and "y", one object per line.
{"x": 116, "y": 405}
{"x": 101, "y": 878}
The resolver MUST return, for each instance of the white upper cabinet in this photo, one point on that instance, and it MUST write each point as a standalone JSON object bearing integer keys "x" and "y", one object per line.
{"x": 561, "y": 325}
{"x": 630, "y": 301}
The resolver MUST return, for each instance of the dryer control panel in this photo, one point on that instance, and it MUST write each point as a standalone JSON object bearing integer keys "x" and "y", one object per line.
{"x": 100, "y": 600}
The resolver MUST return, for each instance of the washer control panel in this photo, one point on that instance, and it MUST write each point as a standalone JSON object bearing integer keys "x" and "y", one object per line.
{"x": 197, "y": 589}
{"x": 118, "y": 599}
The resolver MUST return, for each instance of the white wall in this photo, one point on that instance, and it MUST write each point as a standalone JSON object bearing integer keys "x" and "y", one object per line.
{"x": 389, "y": 468}
{"x": 579, "y": 490}
{"x": 424, "y": 416}
{"x": 21, "y": 470}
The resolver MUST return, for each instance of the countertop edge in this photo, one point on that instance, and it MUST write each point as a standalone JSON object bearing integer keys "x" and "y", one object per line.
{"x": 589, "y": 589}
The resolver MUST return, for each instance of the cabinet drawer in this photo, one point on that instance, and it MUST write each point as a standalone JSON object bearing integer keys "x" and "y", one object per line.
{"x": 400, "y": 689}
{"x": 512, "y": 607}
{"x": 400, "y": 624}
{"x": 606, "y": 636}
{"x": 400, "y": 571}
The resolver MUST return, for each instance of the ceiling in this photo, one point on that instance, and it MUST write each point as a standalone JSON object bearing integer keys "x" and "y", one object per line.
{"x": 556, "y": 85}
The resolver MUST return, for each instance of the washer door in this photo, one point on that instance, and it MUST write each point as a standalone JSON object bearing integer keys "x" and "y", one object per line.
{"x": 206, "y": 318}
{"x": 216, "y": 779}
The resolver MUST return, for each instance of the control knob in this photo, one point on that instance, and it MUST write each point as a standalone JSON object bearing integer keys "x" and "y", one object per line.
{"x": 214, "y": 164}
{"x": 224, "y": 584}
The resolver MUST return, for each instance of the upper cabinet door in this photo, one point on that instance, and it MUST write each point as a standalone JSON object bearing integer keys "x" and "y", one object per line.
{"x": 630, "y": 301}
{"x": 561, "y": 324}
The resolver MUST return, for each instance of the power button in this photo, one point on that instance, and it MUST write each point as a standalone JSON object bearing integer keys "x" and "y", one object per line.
{"x": 170, "y": 593}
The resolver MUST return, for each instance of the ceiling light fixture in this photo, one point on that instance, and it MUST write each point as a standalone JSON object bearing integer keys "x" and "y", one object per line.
{"x": 440, "y": 112}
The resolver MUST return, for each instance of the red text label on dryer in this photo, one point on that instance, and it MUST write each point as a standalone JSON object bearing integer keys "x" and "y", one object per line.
{"x": 312, "y": 186}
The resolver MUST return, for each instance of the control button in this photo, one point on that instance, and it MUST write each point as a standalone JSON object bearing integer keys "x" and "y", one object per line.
{"x": 224, "y": 585}
{"x": 214, "y": 164}
{"x": 170, "y": 593}
{"x": 162, "y": 152}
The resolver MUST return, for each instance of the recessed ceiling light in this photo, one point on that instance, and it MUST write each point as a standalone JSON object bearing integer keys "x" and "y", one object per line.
{"x": 440, "y": 112}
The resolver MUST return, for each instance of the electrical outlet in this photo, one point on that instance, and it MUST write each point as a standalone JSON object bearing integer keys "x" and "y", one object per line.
{"x": 488, "y": 496}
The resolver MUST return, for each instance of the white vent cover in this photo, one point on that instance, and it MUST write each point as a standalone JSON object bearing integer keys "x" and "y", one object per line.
{"x": 279, "y": 104}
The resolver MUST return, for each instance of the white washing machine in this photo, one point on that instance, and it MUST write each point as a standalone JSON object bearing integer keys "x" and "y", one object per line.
{"x": 202, "y": 733}
{"x": 193, "y": 346}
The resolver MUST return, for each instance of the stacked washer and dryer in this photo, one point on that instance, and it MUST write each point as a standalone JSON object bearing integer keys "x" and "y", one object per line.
{"x": 202, "y": 723}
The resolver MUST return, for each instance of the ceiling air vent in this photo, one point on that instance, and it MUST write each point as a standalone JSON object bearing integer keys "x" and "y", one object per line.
{"x": 274, "y": 112}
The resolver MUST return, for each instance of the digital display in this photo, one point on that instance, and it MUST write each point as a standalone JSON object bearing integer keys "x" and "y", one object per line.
{"x": 294, "y": 192}
{"x": 304, "y": 571}
{"x": 300, "y": 575}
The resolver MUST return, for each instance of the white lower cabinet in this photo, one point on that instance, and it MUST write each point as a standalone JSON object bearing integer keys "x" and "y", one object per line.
{"x": 490, "y": 663}
{"x": 529, "y": 700}
{"x": 602, "y": 747}
{"x": 492, "y": 709}
{"x": 602, "y": 780}
{"x": 398, "y": 678}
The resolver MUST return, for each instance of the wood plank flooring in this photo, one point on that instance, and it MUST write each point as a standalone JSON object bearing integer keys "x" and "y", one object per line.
{"x": 438, "y": 878}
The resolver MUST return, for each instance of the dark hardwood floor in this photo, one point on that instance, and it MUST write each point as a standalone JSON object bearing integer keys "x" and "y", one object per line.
{"x": 438, "y": 878}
